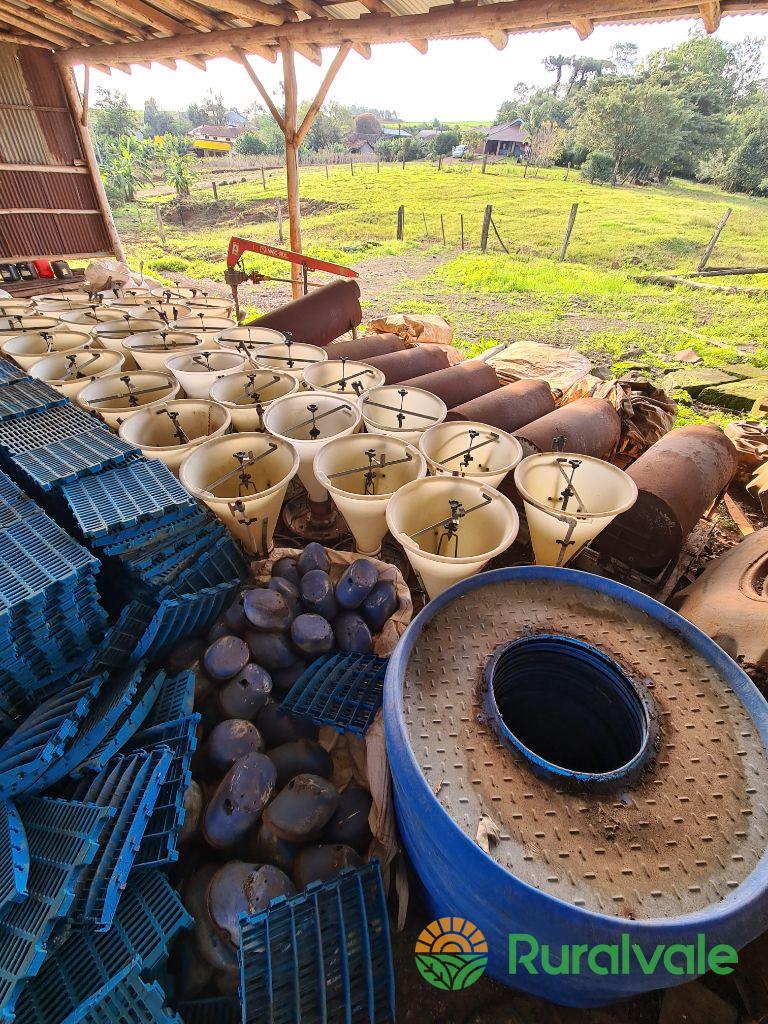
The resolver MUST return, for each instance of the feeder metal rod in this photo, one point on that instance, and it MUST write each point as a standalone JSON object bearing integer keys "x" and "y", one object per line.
{"x": 131, "y": 392}
{"x": 491, "y": 440}
{"x": 450, "y": 520}
{"x": 243, "y": 465}
{"x": 403, "y": 412}
{"x": 366, "y": 469}
{"x": 314, "y": 419}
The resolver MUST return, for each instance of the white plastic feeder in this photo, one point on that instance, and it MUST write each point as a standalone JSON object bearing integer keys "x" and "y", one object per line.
{"x": 84, "y": 320}
{"x": 24, "y": 323}
{"x": 249, "y": 393}
{"x": 243, "y": 478}
{"x": 69, "y": 372}
{"x": 197, "y": 371}
{"x": 205, "y": 326}
{"x": 291, "y": 357}
{"x": 401, "y": 412}
{"x": 113, "y": 334}
{"x": 125, "y": 300}
{"x": 15, "y": 307}
{"x": 361, "y": 472}
{"x": 152, "y": 349}
{"x": 471, "y": 449}
{"x": 343, "y": 376}
{"x": 27, "y": 349}
{"x": 450, "y": 527}
{"x": 65, "y": 303}
{"x": 129, "y": 292}
{"x": 253, "y": 337}
{"x": 171, "y": 430}
{"x": 308, "y": 420}
{"x": 214, "y": 305}
{"x": 164, "y": 312}
{"x": 569, "y": 500}
{"x": 115, "y": 398}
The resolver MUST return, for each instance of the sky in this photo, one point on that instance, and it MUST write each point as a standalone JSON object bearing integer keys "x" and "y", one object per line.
{"x": 459, "y": 80}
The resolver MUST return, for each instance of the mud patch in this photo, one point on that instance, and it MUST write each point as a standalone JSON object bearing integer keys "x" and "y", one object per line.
{"x": 229, "y": 212}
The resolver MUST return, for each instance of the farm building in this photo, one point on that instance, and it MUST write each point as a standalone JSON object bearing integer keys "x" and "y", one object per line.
{"x": 210, "y": 139}
{"x": 507, "y": 139}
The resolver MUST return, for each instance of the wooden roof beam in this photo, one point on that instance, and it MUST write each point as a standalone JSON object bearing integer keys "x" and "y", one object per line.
{"x": 197, "y": 61}
{"x": 256, "y": 10}
{"x": 583, "y": 27}
{"x": 14, "y": 18}
{"x": 192, "y": 12}
{"x": 440, "y": 23}
{"x": 7, "y": 37}
{"x": 498, "y": 39}
{"x": 64, "y": 17}
{"x": 147, "y": 15}
{"x": 310, "y": 52}
{"x": 110, "y": 18}
{"x": 382, "y": 7}
{"x": 710, "y": 15}
{"x": 314, "y": 10}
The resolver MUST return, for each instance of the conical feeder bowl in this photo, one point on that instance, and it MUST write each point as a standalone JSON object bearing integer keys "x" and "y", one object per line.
{"x": 252, "y": 337}
{"x": 473, "y": 450}
{"x": 28, "y": 323}
{"x": 152, "y": 349}
{"x": 171, "y": 430}
{"x": 112, "y": 335}
{"x": 249, "y": 394}
{"x": 361, "y": 472}
{"x": 292, "y": 357}
{"x": 84, "y": 320}
{"x": 47, "y": 305}
{"x": 212, "y": 305}
{"x": 28, "y": 349}
{"x": 196, "y": 372}
{"x": 115, "y": 398}
{"x": 569, "y": 500}
{"x": 450, "y": 528}
{"x": 343, "y": 377}
{"x": 126, "y": 300}
{"x": 69, "y": 372}
{"x": 401, "y": 412}
{"x": 206, "y": 327}
{"x": 16, "y": 307}
{"x": 164, "y": 312}
{"x": 243, "y": 478}
{"x": 126, "y": 294}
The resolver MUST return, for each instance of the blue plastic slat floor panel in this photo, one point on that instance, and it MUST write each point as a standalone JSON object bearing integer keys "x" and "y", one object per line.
{"x": 148, "y": 919}
{"x": 14, "y": 856}
{"x": 126, "y": 999}
{"x": 28, "y": 396}
{"x": 341, "y": 690}
{"x": 43, "y": 736}
{"x": 180, "y": 617}
{"x": 125, "y": 496}
{"x": 175, "y": 700}
{"x": 46, "y": 426}
{"x": 131, "y": 785}
{"x": 156, "y": 532}
{"x": 61, "y": 462}
{"x": 10, "y": 372}
{"x": 221, "y": 563}
{"x": 320, "y": 957}
{"x": 63, "y": 838}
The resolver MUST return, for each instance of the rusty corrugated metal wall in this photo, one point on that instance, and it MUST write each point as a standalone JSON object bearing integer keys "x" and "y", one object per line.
{"x": 48, "y": 203}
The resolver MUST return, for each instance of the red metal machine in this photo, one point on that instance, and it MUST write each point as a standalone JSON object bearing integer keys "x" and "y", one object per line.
{"x": 236, "y": 274}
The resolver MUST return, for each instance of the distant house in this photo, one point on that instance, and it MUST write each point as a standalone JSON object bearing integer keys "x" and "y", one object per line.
{"x": 395, "y": 133}
{"x": 213, "y": 139}
{"x": 368, "y": 131}
{"x": 507, "y": 139}
{"x": 360, "y": 146}
{"x": 427, "y": 133}
{"x": 235, "y": 119}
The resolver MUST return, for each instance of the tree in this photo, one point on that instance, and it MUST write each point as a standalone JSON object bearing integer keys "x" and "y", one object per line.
{"x": 111, "y": 115}
{"x": 125, "y": 166}
{"x": 249, "y": 144}
{"x": 210, "y": 111}
{"x": 442, "y": 144}
{"x": 177, "y": 165}
{"x": 624, "y": 58}
{"x": 640, "y": 125}
{"x": 746, "y": 168}
{"x": 473, "y": 139}
{"x": 546, "y": 144}
{"x": 556, "y": 64}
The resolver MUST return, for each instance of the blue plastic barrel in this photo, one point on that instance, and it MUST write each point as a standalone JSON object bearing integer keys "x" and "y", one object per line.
{"x": 461, "y": 880}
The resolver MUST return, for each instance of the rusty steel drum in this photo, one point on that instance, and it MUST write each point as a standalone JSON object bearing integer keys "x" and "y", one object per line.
{"x": 319, "y": 317}
{"x": 509, "y": 407}
{"x": 367, "y": 346}
{"x": 460, "y": 383}
{"x": 678, "y": 479}
{"x": 589, "y": 426}
{"x": 400, "y": 366}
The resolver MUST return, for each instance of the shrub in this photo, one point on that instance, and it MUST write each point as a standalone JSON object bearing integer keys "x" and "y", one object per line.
{"x": 597, "y": 167}
{"x": 168, "y": 265}
{"x": 249, "y": 144}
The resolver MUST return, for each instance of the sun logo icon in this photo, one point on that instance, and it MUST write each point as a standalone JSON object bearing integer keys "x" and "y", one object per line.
{"x": 451, "y": 953}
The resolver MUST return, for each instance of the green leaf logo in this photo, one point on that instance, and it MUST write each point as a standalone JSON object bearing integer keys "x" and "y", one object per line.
{"x": 451, "y": 954}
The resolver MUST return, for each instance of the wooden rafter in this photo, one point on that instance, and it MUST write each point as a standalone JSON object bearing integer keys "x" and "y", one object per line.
{"x": 261, "y": 89}
{"x": 382, "y": 7}
{"x": 314, "y": 107}
{"x": 65, "y": 17}
{"x": 315, "y": 10}
{"x": 710, "y": 15}
{"x": 256, "y": 10}
{"x": 312, "y": 53}
{"x": 110, "y": 18}
{"x": 15, "y": 20}
{"x": 148, "y": 15}
{"x": 17, "y": 40}
{"x": 583, "y": 27}
{"x": 499, "y": 39}
{"x": 440, "y": 23}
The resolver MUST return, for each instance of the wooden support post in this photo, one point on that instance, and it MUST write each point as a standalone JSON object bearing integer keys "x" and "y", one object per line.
{"x": 160, "y": 225}
{"x": 351, "y": 167}
{"x": 486, "y": 227}
{"x": 279, "y": 221}
{"x": 263, "y": 178}
{"x": 426, "y": 229}
{"x": 713, "y": 240}
{"x": 568, "y": 230}
{"x": 291, "y": 158}
{"x": 440, "y": 162}
{"x": 442, "y": 227}
{"x": 461, "y": 218}
{"x": 215, "y": 192}
{"x": 400, "y": 223}
{"x": 86, "y": 83}
{"x": 378, "y": 166}
{"x": 67, "y": 76}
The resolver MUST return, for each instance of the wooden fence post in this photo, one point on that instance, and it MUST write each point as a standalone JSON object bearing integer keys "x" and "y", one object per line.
{"x": 713, "y": 240}
{"x": 442, "y": 227}
{"x": 400, "y": 223}
{"x": 486, "y": 227}
{"x": 326, "y": 170}
{"x": 263, "y": 178}
{"x": 485, "y": 161}
{"x": 440, "y": 162}
{"x": 351, "y": 167}
{"x": 279, "y": 221}
{"x": 426, "y": 229}
{"x": 568, "y": 230}
{"x": 215, "y": 192}
{"x": 378, "y": 166}
{"x": 461, "y": 216}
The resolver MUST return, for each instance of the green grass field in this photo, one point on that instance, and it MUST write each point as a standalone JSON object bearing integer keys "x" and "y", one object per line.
{"x": 591, "y": 301}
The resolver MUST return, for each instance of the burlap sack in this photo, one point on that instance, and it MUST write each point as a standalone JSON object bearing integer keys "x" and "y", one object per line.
{"x": 424, "y": 328}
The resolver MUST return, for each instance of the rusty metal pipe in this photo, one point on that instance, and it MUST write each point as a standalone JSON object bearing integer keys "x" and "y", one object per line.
{"x": 366, "y": 347}
{"x": 460, "y": 383}
{"x": 678, "y": 479}
{"x": 509, "y": 407}
{"x": 400, "y": 366}
{"x": 588, "y": 426}
{"x": 319, "y": 317}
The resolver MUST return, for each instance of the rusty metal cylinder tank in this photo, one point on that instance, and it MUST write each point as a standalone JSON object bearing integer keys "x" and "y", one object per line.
{"x": 367, "y": 346}
{"x": 459, "y": 383}
{"x": 400, "y": 366}
{"x": 588, "y": 426}
{"x": 319, "y": 317}
{"x": 677, "y": 479}
{"x": 508, "y": 407}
